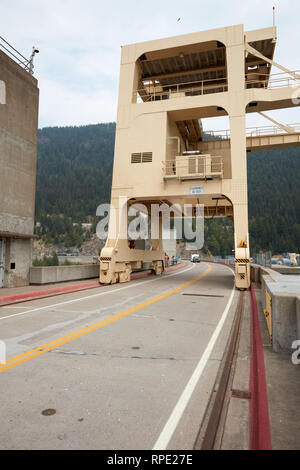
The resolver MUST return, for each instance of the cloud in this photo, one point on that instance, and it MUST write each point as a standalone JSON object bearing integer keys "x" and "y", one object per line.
{"x": 62, "y": 106}
{"x": 79, "y": 43}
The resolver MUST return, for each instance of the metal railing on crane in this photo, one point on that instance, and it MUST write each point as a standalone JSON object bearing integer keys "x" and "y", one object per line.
{"x": 21, "y": 60}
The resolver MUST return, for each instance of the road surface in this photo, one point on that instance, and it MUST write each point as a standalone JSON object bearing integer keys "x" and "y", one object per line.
{"x": 129, "y": 366}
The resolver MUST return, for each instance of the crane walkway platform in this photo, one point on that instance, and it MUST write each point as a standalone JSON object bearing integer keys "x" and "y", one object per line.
{"x": 258, "y": 138}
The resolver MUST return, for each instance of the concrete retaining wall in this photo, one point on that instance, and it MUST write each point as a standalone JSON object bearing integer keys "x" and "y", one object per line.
{"x": 17, "y": 262}
{"x": 284, "y": 321}
{"x": 18, "y": 151}
{"x": 52, "y": 274}
{"x": 285, "y": 294}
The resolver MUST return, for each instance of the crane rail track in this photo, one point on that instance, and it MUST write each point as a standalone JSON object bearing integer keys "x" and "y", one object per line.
{"x": 209, "y": 430}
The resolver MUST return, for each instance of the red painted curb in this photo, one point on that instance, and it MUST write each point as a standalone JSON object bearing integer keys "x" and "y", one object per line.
{"x": 48, "y": 291}
{"x": 14, "y": 299}
{"x": 260, "y": 430}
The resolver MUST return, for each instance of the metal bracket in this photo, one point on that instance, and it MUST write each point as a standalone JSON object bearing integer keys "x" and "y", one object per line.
{"x": 254, "y": 52}
{"x": 287, "y": 129}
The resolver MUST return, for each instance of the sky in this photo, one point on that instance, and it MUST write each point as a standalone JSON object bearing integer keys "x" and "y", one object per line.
{"x": 79, "y": 43}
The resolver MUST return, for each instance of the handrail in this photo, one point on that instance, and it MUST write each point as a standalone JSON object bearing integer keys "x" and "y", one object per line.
{"x": 193, "y": 166}
{"x": 284, "y": 73}
{"x": 200, "y": 156}
{"x": 257, "y": 72}
{"x": 270, "y": 84}
{"x": 253, "y": 131}
{"x": 156, "y": 91}
{"x": 270, "y": 130}
{"x": 15, "y": 54}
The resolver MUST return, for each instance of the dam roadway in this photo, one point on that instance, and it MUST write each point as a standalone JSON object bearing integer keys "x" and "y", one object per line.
{"x": 128, "y": 366}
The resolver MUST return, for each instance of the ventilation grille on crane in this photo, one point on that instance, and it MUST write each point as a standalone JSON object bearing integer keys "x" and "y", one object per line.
{"x": 145, "y": 157}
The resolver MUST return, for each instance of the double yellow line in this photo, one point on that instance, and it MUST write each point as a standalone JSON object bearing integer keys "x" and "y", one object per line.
{"x": 14, "y": 361}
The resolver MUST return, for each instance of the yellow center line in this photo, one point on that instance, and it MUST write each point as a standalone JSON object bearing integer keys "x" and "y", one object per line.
{"x": 14, "y": 361}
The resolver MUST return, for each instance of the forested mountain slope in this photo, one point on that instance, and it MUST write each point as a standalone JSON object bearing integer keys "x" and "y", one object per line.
{"x": 74, "y": 177}
{"x": 74, "y": 169}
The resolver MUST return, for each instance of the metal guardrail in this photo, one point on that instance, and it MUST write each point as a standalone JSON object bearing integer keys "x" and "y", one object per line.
{"x": 229, "y": 262}
{"x": 253, "y": 131}
{"x": 194, "y": 166}
{"x": 276, "y": 80}
{"x": 270, "y": 130}
{"x": 14, "y": 54}
{"x": 157, "y": 92}
{"x": 263, "y": 259}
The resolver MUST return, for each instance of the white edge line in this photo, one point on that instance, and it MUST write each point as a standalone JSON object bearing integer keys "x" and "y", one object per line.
{"x": 112, "y": 291}
{"x": 169, "y": 428}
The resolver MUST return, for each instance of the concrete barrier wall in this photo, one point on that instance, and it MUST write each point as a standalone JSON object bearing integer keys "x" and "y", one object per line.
{"x": 258, "y": 271}
{"x": 51, "y": 274}
{"x": 283, "y": 290}
{"x": 284, "y": 321}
